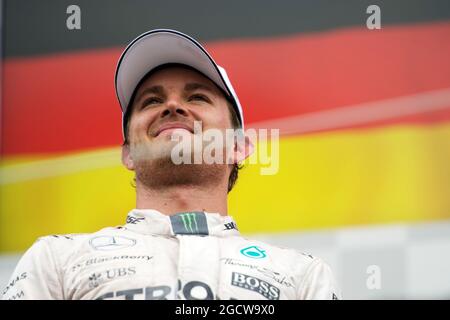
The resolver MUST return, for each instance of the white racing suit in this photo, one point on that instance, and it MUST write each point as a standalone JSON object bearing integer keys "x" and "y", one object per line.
{"x": 192, "y": 256}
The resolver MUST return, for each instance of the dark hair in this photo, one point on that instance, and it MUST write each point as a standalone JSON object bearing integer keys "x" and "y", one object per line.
{"x": 235, "y": 122}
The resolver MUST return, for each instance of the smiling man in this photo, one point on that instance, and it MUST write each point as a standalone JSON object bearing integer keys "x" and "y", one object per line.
{"x": 171, "y": 100}
{"x": 180, "y": 241}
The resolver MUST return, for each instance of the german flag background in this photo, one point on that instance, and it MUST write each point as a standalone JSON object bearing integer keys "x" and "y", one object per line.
{"x": 363, "y": 114}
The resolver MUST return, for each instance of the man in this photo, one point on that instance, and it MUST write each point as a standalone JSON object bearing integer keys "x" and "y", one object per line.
{"x": 179, "y": 242}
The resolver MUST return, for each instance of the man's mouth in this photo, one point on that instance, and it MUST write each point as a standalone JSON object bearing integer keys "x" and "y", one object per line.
{"x": 168, "y": 128}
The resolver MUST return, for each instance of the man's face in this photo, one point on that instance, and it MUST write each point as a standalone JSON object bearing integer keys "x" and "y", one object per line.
{"x": 173, "y": 99}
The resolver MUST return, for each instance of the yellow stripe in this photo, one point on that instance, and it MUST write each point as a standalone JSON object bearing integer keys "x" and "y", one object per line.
{"x": 382, "y": 175}
{"x": 331, "y": 179}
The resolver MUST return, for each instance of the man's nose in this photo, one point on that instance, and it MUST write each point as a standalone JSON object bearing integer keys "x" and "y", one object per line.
{"x": 174, "y": 107}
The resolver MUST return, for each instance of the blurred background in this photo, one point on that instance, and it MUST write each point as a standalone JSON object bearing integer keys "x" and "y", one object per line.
{"x": 364, "y": 119}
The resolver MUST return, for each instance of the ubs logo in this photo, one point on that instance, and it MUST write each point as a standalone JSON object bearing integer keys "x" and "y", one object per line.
{"x": 98, "y": 278}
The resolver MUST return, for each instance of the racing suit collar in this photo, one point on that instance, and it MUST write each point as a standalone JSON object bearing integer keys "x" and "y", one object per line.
{"x": 200, "y": 223}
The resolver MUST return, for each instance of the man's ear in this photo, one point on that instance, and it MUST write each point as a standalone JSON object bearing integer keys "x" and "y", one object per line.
{"x": 127, "y": 161}
{"x": 243, "y": 148}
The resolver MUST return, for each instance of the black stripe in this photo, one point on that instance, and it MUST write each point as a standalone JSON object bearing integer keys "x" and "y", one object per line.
{"x": 35, "y": 27}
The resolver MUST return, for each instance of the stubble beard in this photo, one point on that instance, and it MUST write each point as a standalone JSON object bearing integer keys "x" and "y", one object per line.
{"x": 155, "y": 169}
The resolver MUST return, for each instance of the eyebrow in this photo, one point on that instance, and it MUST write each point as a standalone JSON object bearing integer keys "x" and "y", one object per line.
{"x": 155, "y": 90}
{"x": 194, "y": 86}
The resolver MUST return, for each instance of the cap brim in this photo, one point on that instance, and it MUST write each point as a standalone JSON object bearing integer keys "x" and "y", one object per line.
{"x": 161, "y": 46}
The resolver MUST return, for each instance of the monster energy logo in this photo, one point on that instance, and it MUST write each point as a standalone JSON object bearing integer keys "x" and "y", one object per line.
{"x": 189, "y": 222}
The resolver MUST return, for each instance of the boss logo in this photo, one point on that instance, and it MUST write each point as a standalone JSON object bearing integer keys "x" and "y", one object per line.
{"x": 262, "y": 287}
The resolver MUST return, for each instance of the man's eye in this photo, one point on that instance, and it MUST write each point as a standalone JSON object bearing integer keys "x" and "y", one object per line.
{"x": 152, "y": 100}
{"x": 198, "y": 97}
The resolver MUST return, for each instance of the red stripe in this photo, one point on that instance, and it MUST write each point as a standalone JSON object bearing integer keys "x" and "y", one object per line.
{"x": 60, "y": 103}
{"x": 297, "y": 75}
{"x": 67, "y": 102}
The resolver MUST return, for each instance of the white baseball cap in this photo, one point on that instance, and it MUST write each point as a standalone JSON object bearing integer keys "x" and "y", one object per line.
{"x": 161, "y": 46}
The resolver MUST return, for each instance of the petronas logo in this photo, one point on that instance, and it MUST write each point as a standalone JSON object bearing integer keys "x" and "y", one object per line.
{"x": 189, "y": 222}
{"x": 254, "y": 252}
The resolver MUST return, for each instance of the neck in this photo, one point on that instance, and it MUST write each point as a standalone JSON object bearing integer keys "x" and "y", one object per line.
{"x": 174, "y": 199}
